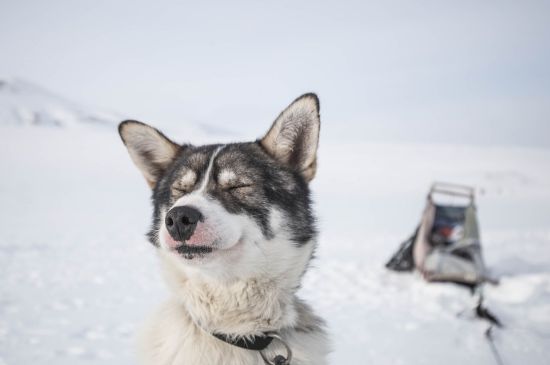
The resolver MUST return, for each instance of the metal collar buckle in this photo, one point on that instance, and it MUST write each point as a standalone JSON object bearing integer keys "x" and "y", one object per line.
{"x": 278, "y": 359}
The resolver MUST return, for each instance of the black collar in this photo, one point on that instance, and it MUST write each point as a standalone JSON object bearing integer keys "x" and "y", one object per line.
{"x": 257, "y": 343}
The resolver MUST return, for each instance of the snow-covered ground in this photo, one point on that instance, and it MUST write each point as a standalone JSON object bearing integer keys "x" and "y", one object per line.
{"x": 77, "y": 275}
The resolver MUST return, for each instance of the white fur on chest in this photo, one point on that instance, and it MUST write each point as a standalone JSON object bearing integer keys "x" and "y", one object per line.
{"x": 179, "y": 333}
{"x": 171, "y": 338}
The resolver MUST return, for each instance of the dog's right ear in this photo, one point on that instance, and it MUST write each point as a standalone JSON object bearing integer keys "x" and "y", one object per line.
{"x": 151, "y": 151}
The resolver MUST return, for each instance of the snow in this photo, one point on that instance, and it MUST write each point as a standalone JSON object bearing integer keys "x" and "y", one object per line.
{"x": 78, "y": 277}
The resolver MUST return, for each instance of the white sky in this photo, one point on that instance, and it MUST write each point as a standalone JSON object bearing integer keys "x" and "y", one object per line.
{"x": 450, "y": 71}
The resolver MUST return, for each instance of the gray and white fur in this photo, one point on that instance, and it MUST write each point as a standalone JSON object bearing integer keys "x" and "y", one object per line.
{"x": 235, "y": 233}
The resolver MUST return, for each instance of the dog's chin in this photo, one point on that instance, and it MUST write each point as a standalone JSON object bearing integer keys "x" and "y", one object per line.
{"x": 202, "y": 253}
{"x": 189, "y": 252}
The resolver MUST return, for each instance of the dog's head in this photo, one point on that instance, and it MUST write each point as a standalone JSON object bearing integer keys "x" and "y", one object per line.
{"x": 235, "y": 210}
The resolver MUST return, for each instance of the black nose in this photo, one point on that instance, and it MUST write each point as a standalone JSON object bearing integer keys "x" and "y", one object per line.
{"x": 182, "y": 221}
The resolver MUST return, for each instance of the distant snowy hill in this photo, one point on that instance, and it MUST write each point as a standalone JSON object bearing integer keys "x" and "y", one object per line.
{"x": 24, "y": 103}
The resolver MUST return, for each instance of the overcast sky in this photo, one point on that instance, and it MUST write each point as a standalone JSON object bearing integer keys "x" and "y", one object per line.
{"x": 450, "y": 71}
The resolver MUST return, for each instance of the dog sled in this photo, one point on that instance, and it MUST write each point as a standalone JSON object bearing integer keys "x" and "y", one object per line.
{"x": 446, "y": 246}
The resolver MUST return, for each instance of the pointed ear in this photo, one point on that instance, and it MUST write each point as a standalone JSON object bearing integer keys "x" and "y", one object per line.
{"x": 294, "y": 136}
{"x": 150, "y": 150}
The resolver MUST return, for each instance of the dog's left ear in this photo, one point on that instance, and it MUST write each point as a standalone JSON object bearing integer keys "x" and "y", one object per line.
{"x": 294, "y": 136}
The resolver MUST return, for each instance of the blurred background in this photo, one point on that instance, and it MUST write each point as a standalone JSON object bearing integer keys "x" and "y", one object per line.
{"x": 411, "y": 92}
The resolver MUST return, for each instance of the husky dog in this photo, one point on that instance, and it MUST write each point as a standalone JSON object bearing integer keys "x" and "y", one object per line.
{"x": 235, "y": 233}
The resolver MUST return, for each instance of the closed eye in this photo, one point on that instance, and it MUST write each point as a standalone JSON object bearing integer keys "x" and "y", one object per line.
{"x": 239, "y": 186}
{"x": 181, "y": 190}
